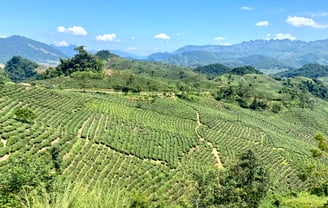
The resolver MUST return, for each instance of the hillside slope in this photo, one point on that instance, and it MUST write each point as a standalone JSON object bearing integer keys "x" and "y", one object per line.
{"x": 155, "y": 144}
{"x": 29, "y": 49}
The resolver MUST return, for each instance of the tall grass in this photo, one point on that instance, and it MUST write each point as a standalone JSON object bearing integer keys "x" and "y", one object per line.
{"x": 78, "y": 196}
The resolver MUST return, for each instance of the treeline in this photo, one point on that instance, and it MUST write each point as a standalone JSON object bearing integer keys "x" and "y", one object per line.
{"x": 83, "y": 61}
{"x": 310, "y": 70}
{"x": 19, "y": 69}
{"x": 220, "y": 69}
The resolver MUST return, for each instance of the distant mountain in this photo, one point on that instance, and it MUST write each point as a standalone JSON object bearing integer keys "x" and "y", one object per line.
{"x": 262, "y": 54}
{"x": 29, "y": 49}
{"x": 67, "y": 50}
{"x": 127, "y": 55}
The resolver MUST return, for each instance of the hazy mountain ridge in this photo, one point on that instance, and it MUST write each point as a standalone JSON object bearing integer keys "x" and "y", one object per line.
{"x": 29, "y": 49}
{"x": 259, "y": 53}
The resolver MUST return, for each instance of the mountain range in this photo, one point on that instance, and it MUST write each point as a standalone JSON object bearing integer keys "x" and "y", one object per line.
{"x": 262, "y": 54}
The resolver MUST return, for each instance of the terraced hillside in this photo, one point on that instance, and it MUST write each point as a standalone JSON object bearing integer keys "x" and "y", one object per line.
{"x": 155, "y": 144}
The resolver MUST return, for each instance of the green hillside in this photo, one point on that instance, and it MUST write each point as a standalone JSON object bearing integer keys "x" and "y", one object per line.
{"x": 309, "y": 70}
{"x": 144, "y": 134}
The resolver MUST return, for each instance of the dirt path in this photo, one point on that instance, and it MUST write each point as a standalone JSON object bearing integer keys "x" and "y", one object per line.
{"x": 98, "y": 126}
{"x": 79, "y": 132}
{"x": 214, "y": 151}
{"x": 197, "y": 127}
{"x": 5, "y": 157}
{"x": 4, "y": 142}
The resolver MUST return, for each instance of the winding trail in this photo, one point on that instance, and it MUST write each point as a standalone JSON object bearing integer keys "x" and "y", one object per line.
{"x": 202, "y": 139}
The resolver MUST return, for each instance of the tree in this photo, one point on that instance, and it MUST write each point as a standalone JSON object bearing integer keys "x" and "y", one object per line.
{"x": 19, "y": 69}
{"x": 207, "y": 187}
{"x": 244, "y": 184}
{"x": 83, "y": 61}
{"x": 139, "y": 200}
{"x": 105, "y": 54}
{"x": 3, "y": 77}
{"x": 24, "y": 175}
{"x": 25, "y": 115}
{"x": 245, "y": 70}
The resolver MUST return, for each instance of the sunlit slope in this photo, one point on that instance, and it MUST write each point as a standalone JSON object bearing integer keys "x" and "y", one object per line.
{"x": 154, "y": 144}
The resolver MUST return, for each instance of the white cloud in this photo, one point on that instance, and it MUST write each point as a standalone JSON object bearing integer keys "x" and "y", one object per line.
{"x": 61, "y": 43}
{"x": 132, "y": 49}
{"x": 179, "y": 34}
{"x": 262, "y": 23}
{"x": 319, "y": 14}
{"x": 282, "y": 36}
{"x": 133, "y": 38}
{"x": 268, "y": 36}
{"x": 303, "y": 21}
{"x": 75, "y": 30}
{"x": 219, "y": 38}
{"x": 3, "y": 36}
{"x": 162, "y": 36}
{"x": 226, "y": 44}
{"x": 247, "y": 8}
{"x": 107, "y": 37}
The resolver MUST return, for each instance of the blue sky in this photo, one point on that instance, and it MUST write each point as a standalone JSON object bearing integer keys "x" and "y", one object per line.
{"x": 146, "y": 26}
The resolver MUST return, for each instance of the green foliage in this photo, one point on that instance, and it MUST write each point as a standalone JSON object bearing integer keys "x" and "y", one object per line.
{"x": 139, "y": 200}
{"x": 24, "y": 176}
{"x": 94, "y": 137}
{"x": 83, "y": 61}
{"x": 105, "y": 54}
{"x": 316, "y": 152}
{"x": 213, "y": 69}
{"x": 245, "y": 70}
{"x": 310, "y": 70}
{"x": 3, "y": 77}
{"x": 244, "y": 184}
{"x": 316, "y": 87}
{"x": 19, "y": 69}
{"x": 55, "y": 151}
{"x": 207, "y": 187}
{"x": 25, "y": 115}
{"x": 322, "y": 145}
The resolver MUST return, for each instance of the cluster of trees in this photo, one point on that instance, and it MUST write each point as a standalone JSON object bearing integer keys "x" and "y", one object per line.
{"x": 20, "y": 69}
{"x": 83, "y": 61}
{"x": 243, "y": 95}
{"x": 105, "y": 55}
{"x": 310, "y": 70}
{"x": 244, "y": 184}
{"x": 220, "y": 69}
{"x": 25, "y": 175}
{"x": 316, "y": 88}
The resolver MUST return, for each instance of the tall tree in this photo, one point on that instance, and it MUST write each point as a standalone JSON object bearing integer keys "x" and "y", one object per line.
{"x": 245, "y": 184}
{"x": 83, "y": 61}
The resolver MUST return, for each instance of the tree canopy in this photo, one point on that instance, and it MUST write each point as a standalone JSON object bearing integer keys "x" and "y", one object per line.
{"x": 83, "y": 61}
{"x": 19, "y": 69}
{"x": 245, "y": 70}
{"x": 25, "y": 115}
{"x": 105, "y": 54}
